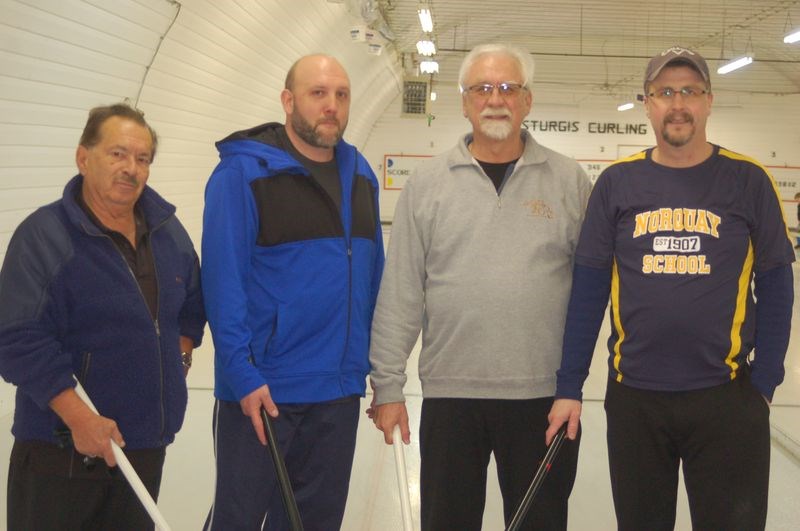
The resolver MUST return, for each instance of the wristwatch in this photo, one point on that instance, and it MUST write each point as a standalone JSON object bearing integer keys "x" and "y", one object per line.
{"x": 186, "y": 359}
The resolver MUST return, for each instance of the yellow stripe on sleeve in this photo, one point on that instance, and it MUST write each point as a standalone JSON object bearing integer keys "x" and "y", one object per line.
{"x": 617, "y": 319}
{"x": 738, "y": 314}
{"x": 630, "y": 158}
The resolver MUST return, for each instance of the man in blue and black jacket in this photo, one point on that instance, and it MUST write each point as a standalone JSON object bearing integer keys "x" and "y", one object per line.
{"x": 102, "y": 285}
{"x": 292, "y": 259}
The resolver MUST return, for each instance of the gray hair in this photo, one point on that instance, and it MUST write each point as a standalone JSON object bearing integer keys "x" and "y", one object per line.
{"x": 523, "y": 59}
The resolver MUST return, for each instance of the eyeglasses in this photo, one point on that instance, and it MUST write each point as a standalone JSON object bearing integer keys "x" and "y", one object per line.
{"x": 485, "y": 90}
{"x": 668, "y": 93}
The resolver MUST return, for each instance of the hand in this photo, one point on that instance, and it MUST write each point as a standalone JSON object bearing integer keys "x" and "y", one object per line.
{"x": 387, "y": 416}
{"x": 371, "y": 409}
{"x": 186, "y": 346}
{"x": 93, "y": 437}
{"x": 564, "y": 410}
{"x": 91, "y": 433}
{"x": 251, "y": 406}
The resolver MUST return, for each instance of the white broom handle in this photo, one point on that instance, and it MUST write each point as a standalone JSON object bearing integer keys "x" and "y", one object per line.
{"x": 402, "y": 479}
{"x": 130, "y": 474}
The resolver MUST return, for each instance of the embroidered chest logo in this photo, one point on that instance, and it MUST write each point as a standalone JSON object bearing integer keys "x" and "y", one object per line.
{"x": 539, "y": 209}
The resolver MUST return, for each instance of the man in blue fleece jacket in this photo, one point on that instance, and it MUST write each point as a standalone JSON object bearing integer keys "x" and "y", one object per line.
{"x": 292, "y": 258}
{"x": 102, "y": 285}
{"x": 678, "y": 235}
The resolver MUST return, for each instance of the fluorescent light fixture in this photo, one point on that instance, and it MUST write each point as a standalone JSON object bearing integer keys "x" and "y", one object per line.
{"x": 425, "y": 19}
{"x": 625, "y": 106}
{"x": 426, "y": 47}
{"x": 792, "y": 37}
{"x": 429, "y": 67}
{"x": 735, "y": 64}
{"x": 433, "y": 95}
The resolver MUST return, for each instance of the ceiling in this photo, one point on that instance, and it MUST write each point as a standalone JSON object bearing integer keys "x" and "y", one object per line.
{"x": 602, "y": 46}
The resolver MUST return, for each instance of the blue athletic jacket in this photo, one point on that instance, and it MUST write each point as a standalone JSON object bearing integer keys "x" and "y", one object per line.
{"x": 69, "y": 305}
{"x": 289, "y": 282}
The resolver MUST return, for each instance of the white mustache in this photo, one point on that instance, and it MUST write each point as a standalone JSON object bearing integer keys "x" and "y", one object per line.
{"x": 494, "y": 113}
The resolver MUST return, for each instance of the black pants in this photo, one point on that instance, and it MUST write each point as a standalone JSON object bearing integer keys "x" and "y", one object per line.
{"x": 51, "y": 488}
{"x": 457, "y": 437}
{"x": 720, "y": 434}
{"x": 317, "y": 442}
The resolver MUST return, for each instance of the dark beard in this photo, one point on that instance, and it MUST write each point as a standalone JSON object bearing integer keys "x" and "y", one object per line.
{"x": 682, "y": 140}
{"x": 309, "y": 135}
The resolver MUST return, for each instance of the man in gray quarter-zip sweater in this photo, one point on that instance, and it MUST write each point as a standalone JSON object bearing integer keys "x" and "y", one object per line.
{"x": 480, "y": 261}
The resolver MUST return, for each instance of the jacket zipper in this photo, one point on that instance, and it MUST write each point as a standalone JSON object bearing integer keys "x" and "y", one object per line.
{"x": 347, "y": 245}
{"x": 87, "y": 358}
{"x": 502, "y": 184}
{"x": 156, "y": 326}
{"x": 158, "y": 332}
{"x": 349, "y": 300}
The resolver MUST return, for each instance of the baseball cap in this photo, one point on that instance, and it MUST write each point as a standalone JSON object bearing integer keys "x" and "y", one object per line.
{"x": 676, "y": 54}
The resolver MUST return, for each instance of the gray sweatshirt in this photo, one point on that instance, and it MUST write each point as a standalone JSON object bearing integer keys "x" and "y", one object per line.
{"x": 485, "y": 276}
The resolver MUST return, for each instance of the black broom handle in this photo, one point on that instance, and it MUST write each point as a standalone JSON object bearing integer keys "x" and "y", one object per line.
{"x": 538, "y": 478}
{"x": 292, "y": 513}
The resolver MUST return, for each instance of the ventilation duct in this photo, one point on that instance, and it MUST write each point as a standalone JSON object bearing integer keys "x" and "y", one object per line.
{"x": 415, "y": 97}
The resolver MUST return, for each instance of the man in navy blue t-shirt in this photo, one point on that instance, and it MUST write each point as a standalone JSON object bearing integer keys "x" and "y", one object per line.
{"x": 678, "y": 235}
